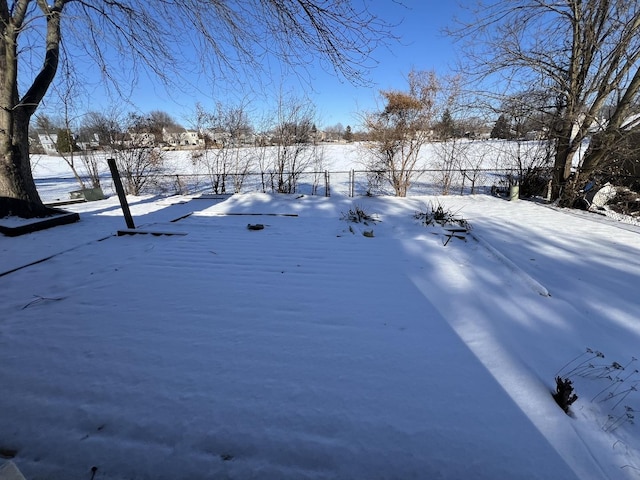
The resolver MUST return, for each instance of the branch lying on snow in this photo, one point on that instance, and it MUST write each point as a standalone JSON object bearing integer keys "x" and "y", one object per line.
{"x": 40, "y": 299}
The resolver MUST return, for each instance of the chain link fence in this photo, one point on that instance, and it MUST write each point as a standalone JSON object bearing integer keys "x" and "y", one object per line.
{"x": 351, "y": 183}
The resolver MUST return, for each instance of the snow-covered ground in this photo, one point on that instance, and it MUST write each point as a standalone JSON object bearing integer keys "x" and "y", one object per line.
{"x": 485, "y": 163}
{"x": 308, "y": 350}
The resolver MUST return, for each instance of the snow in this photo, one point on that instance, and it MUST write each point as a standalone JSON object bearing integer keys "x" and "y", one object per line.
{"x": 488, "y": 161}
{"x": 304, "y": 350}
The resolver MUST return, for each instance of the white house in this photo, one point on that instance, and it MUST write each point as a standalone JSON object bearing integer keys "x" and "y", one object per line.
{"x": 49, "y": 142}
{"x": 191, "y": 137}
{"x": 180, "y": 137}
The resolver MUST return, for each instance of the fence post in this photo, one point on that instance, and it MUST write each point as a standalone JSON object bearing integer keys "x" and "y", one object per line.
{"x": 121, "y": 195}
{"x": 352, "y": 183}
{"x": 327, "y": 185}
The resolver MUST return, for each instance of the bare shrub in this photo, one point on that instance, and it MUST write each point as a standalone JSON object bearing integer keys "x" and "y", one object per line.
{"x": 139, "y": 167}
{"x": 399, "y": 131}
{"x": 358, "y": 215}
{"x": 437, "y": 214}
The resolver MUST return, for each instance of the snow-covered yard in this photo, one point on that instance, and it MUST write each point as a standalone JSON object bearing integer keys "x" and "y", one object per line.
{"x": 304, "y": 350}
{"x": 484, "y": 163}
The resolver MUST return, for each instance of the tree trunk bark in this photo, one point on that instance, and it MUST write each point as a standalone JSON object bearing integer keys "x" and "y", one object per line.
{"x": 562, "y": 162}
{"x": 16, "y": 179}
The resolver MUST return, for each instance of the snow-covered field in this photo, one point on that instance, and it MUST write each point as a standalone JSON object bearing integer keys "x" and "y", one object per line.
{"x": 485, "y": 162}
{"x": 308, "y": 350}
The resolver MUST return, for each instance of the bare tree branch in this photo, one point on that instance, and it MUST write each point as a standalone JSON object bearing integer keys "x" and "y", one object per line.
{"x": 166, "y": 38}
{"x": 585, "y": 51}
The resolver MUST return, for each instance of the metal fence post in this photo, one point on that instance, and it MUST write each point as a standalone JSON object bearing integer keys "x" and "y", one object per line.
{"x": 327, "y": 185}
{"x": 352, "y": 183}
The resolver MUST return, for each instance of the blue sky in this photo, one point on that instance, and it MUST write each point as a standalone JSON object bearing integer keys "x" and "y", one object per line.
{"x": 421, "y": 45}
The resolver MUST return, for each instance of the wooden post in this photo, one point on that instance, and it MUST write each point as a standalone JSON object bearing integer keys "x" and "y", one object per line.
{"x": 121, "y": 195}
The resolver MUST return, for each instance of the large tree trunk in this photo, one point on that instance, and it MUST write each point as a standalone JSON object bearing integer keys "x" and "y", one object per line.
{"x": 566, "y": 147}
{"x": 16, "y": 179}
{"x": 562, "y": 166}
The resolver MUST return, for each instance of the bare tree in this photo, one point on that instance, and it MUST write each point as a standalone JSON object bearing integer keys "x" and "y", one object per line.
{"x": 61, "y": 130}
{"x": 226, "y": 131}
{"x": 139, "y": 166}
{"x": 529, "y": 155}
{"x": 471, "y": 163}
{"x": 449, "y": 153}
{"x": 335, "y": 132}
{"x": 157, "y": 123}
{"x": 104, "y": 127}
{"x": 295, "y": 148}
{"x": 99, "y": 132}
{"x": 93, "y": 163}
{"x": 318, "y": 165}
{"x": 526, "y": 163}
{"x": 65, "y": 102}
{"x": 232, "y": 35}
{"x": 586, "y": 52}
{"x": 401, "y": 129}
{"x": 527, "y": 114}
{"x": 452, "y": 147}
{"x": 140, "y": 163}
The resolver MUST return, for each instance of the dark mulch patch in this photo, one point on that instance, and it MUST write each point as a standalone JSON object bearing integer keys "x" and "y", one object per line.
{"x": 31, "y": 217}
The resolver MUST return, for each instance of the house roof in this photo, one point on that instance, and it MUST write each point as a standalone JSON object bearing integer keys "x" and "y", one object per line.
{"x": 173, "y": 129}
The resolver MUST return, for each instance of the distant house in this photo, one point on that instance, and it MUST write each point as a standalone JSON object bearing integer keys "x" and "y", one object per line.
{"x": 191, "y": 137}
{"x": 321, "y": 136}
{"x": 222, "y": 138}
{"x": 34, "y": 143}
{"x": 48, "y": 142}
{"x": 172, "y": 135}
{"x": 180, "y": 137}
{"x": 217, "y": 137}
{"x": 89, "y": 142}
